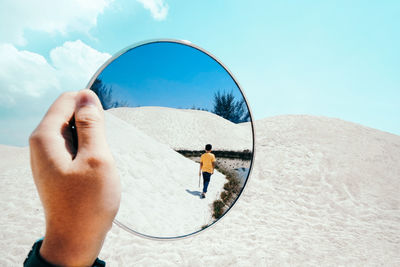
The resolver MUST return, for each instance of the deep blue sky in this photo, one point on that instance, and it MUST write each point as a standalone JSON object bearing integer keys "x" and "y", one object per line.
{"x": 167, "y": 74}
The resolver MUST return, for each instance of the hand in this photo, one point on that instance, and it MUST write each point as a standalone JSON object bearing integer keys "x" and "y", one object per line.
{"x": 79, "y": 189}
{"x": 199, "y": 173}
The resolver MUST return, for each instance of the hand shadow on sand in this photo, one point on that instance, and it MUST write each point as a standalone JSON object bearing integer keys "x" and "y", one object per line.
{"x": 194, "y": 193}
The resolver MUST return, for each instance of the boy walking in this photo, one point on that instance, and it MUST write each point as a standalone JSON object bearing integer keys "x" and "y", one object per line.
{"x": 207, "y": 165}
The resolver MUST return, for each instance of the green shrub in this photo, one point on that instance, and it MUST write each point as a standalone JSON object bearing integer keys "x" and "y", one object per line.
{"x": 226, "y": 196}
{"x": 232, "y": 186}
{"x": 218, "y": 206}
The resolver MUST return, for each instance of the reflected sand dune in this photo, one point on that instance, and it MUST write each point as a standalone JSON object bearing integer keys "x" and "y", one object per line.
{"x": 155, "y": 178}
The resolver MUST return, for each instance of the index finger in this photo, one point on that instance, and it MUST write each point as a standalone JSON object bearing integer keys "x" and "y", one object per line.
{"x": 49, "y": 141}
{"x": 59, "y": 113}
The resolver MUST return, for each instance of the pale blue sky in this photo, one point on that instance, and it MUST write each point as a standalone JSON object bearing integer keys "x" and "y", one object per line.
{"x": 331, "y": 58}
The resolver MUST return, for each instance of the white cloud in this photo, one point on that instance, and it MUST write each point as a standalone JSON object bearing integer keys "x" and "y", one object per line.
{"x": 158, "y": 8}
{"x": 29, "y": 83}
{"x": 76, "y": 63}
{"x": 49, "y": 16}
{"x": 24, "y": 73}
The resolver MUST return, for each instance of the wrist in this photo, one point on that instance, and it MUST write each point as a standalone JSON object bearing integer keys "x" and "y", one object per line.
{"x": 34, "y": 259}
{"x": 70, "y": 249}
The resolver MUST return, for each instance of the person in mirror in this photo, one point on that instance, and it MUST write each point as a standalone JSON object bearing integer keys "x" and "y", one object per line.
{"x": 78, "y": 186}
{"x": 207, "y": 165}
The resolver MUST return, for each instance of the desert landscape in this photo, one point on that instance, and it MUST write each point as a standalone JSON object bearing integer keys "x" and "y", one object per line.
{"x": 322, "y": 191}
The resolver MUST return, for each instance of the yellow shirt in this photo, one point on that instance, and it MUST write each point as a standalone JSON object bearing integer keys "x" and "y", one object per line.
{"x": 207, "y": 159}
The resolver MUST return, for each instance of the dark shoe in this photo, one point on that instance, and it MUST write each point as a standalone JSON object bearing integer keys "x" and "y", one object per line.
{"x": 203, "y": 195}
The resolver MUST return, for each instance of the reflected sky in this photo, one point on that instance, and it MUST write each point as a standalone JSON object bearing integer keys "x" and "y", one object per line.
{"x": 167, "y": 74}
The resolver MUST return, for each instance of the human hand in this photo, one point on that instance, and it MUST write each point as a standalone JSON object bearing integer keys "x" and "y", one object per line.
{"x": 79, "y": 189}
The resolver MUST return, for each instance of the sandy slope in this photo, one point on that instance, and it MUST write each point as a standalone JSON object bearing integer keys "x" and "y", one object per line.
{"x": 187, "y": 129}
{"x": 323, "y": 192}
{"x": 12, "y": 156}
{"x": 160, "y": 186}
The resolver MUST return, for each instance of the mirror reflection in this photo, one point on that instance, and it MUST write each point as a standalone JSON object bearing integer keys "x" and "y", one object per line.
{"x": 181, "y": 133}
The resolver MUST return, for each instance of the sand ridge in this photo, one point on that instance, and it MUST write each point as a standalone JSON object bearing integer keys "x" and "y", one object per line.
{"x": 187, "y": 129}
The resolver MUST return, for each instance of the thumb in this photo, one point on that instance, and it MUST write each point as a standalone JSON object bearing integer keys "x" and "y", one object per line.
{"x": 89, "y": 121}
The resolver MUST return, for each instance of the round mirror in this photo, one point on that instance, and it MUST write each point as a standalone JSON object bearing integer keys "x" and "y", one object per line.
{"x": 181, "y": 133}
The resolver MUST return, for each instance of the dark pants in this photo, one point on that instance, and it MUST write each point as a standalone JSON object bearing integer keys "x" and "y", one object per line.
{"x": 206, "y": 181}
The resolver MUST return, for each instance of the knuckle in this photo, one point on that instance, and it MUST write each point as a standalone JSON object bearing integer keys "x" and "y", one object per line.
{"x": 36, "y": 138}
{"x": 87, "y": 119}
{"x": 100, "y": 161}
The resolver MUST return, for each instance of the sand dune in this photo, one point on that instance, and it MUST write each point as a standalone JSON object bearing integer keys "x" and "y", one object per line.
{"x": 160, "y": 186}
{"x": 16, "y": 156}
{"x": 323, "y": 192}
{"x": 187, "y": 129}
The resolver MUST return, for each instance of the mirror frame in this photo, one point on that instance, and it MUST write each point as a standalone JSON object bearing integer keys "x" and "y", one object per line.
{"x": 190, "y": 44}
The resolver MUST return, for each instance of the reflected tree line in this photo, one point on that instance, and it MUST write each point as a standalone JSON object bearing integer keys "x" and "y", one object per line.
{"x": 224, "y": 103}
{"x": 226, "y": 106}
{"x": 105, "y": 95}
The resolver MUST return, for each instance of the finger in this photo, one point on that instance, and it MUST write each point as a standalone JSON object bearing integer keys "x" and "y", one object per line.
{"x": 47, "y": 141}
{"x": 59, "y": 113}
{"x": 89, "y": 120}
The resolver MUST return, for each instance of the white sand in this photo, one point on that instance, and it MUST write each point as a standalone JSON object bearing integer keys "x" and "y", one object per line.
{"x": 323, "y": 192}
{"x": 187, "y": 129}
{"x": 160, "y": 186}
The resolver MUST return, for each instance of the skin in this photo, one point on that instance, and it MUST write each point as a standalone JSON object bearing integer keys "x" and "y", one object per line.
{"x": 79, "y": 188}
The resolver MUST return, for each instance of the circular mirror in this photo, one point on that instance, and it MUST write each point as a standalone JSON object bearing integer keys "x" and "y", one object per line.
{"x": 181, "y": 133}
